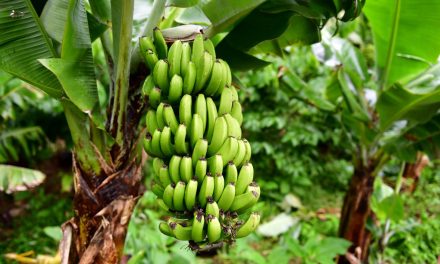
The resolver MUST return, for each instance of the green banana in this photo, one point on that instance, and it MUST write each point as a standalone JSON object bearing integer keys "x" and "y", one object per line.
{"x": 215, "y": 80}
{"x": 199, "y": 150}
{"x": 225, "y": 102}
{"x": 247, "y": 157}
{"x": 148, "y": 145}
{"x": 155, "y": 143}
{"x": 160, "y": 75}
{"x": 150, "y": 58}
{"x": 234, "y": 129}
{"x": 162, "y": 204}
{"x": 231, "y": 173}
{"x": 181, "y": 232}
{"x": 228, "y": 150}
{"x": 154, "y": 97}
{"x": 186, "y": 169}
{"x": 234, "y": 94}
{"x": 228, "y": 74}
{"x": 196, "y": 131}
{"x": 245, "y": 177}
{"x": 174, "y": 58}
{"x": 164, "y": 175}
{"x": 249, "y": 226}
{"x": 157, "y": 164}
{"x": 191, "y": 194}
{"x": 200, "y": 171}
{"x": 160, "y": 44}
{"x": 186, "y": 58}
{"x": 227, "y": 197}
{"x": 146, "y": 43}
{"x": 165, "y": 229}
{"x": 178, "y": 196}
{"x": 174, "y": 168}
{"x": 185, "y": 110}
{"x": 212, "y": 115}
{"x": 204, "y": 72}
{"x": 180, "y": 145}
{"x": 170, "y": 118}
{"x": 165, "y": 142}
{"x": 151, "y": 121}
{"x": 215, "y": 165}
{"x": 189, "y": 79}
{"x": 209, "y": 47}
{"x": 198, "y": 49}
{"x": 236, "y": 112}
{"x": 214, "y": 229}
{"x": 206, "y": 190}
{"x": 241, "y": 152}
{"x": 212, "y": 208}
{"x": 168, "y": 194}
{"x": 219, "y": 135}
{"x": 160, "y": 116}
{"x": 200, "y": 109}
{"x": 219, "y": 185}
{"x": 157, "y": 189}
{"x": 176, "y": 89}
{"x": 198, "y": 233}
{"x": 148, "y": 85}
{"x": 241, "y": 202}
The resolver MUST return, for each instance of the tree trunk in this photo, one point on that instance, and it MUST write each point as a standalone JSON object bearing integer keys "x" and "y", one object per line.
{"x": 103, "y": 206}
{"x": 414, "y": 170}
{"x": 355, "y": 212}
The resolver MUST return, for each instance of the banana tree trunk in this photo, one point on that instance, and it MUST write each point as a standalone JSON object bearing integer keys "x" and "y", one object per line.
{"x": 103, "y": 206}
{"x": 355, "y": 212}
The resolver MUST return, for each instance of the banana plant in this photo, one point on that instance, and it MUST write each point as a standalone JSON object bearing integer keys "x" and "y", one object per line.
{"x": 85, "y": 54}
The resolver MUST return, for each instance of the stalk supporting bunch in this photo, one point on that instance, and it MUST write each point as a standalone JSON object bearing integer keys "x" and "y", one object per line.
{"x": 203, "y": 174}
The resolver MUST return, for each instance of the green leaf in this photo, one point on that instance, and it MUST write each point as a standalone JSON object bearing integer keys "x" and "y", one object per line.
{"x": 391, "y": 208}
{"x": 14, "y": 179}
{"x": 53, "y": 232}
{"x": 24, "y": 142}
{"x": 239, "y": 60}
{"x": 330, "y": 247}
{"x": 309, "y": 8}
{"x": 193, "y": 15}
{"x": 182, "y": 3}
{"x": 405, "y": 35}
{"x": 231, "y": 12}
{"x": 398, "y": 103}
{"x": 75, "y": 69}
{"x": 22, "y": 42}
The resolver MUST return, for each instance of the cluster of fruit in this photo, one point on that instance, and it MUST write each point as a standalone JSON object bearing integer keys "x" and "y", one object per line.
{"x": 202, "y": 163}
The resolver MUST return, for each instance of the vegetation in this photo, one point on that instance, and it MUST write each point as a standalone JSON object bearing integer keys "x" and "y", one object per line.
{"x": 344, "y": 132}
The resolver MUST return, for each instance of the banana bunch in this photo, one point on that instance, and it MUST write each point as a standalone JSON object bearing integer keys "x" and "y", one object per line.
{"x": 203, "y": 174}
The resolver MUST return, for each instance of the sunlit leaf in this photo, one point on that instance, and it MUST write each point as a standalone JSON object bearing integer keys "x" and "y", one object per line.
{"x": 14, "y": 179}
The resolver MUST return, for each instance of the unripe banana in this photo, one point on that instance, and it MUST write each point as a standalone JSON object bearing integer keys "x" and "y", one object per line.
{"x": 160, "y": 116}
{"x": 219, "y": 135}
{"x": 204, "y": 73}
{"x": 174, "y": 58}
{"x": 176, "y": 89}
{"x": 150, "y": 58}
{"x": 231, "y": 173}
{"x": 225, "y": 102}
{"x": 165, "y": 229}
{"x": 215, "y": 165}
{"x": 211, "y": 111}
{"x": 181, "y": 232}
{"x": 245, "y": 177}
{"x": 228, "y": 74}
{"x": 168, "y": 194}
{"x": 191, "y": 194}
{"x": 174, "y": 168}
{"x": 154, "y": 97}
{"x": 249, "y": 226}
{"x": 186, "y": 169}
{"x": 206, "y": 190}
{"x": 234, "y": 94}
{"x": 214, "y": 229}
{"x": 234, "y": 129}
{"x": 157, "y": 189}
{"x": 200, "y": 109}
{"x": 186, "y": 58}
{"x": 196, "y": 131}
{"x": 148, "y": 85}
{"x": 215, "y": 80}
{"x": 180, "y": 145}
{"x": 227, "y": 197}
{"x": 185, "y": 110}
{"x": 201, "y": 169}
{"x": 164, "y": 175}
{"x": 148, "y": 145}
{"x": 219, "y": 185}
{"x": 198, "y": 233}
{"x": 189, "y": 79}
{"x": 157, "y": 164}
{"x": 160, "y": 44}
{"x": 199, "y": 150}
{"x": 253, "y": 186}
{"x": 241, "y": 152}
{"x": 178, "y": 196}
{"x": 198, "y": 49}
{"x": 212, "y": 207}
{"x": 243, "y": 200}
{"x": 165, "y": 142}
{"x": 170, "y": 118}
{"x": 162, "y": 204}
{"x": 146, "y": 43}
{"x": 151, "y": 121}
{"x": 247, "y": 157}
{"x": 160, "y": 76}
{"x": 236, "y": 112}
{"x": 228, "y": 150}
{"x": 155, "y": 144}
{"x": 209, "y": 47}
